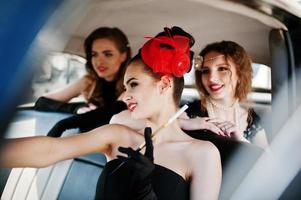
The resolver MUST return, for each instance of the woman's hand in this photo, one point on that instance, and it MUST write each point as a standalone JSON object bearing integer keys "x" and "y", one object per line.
{"x": 229, "y": 129}
{"x": 87, "y": 108}
{"x": 143, "y": 166}
{"x": 200, "y": 123}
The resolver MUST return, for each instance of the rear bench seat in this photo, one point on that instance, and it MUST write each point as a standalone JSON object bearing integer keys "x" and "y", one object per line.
{"x": 82, "y": 177}
{"x": 71, "y": 179}
{"x": 77, "y": 178}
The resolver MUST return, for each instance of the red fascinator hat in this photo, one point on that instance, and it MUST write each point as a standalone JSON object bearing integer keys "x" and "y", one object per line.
{"x": 167, "y": 55}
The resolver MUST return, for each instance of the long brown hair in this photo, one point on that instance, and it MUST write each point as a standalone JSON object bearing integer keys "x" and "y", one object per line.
{"x": 94, "y": 90}
{"x": 243, "y": 67}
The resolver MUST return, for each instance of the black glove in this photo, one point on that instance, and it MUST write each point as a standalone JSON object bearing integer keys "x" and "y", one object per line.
{"x": 51, "y": 105}
{"x": 88, "y": 121}
{"x": 143, "y": 168}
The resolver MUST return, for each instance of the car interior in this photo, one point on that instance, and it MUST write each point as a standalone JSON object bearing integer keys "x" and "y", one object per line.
{"x": 270, "y": 31}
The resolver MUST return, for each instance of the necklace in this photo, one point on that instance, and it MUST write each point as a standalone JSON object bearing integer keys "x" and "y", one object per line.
{"x": 220, "y": 106}
{"x": 211, "y": 112}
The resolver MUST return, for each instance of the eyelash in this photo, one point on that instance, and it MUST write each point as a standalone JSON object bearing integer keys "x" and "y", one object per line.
{"x": 205, "y": 71}
{"x": 133, "y": 84}
{"x": 106, "y": 54}
{"x": 223, "y": 68}
{"x": 220, "y": 68}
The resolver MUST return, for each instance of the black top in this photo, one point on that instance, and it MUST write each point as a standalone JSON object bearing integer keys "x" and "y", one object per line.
{"x": 119, "y": 184}
{"x": 196, "y": 110}
{"x": 109, "y": 92}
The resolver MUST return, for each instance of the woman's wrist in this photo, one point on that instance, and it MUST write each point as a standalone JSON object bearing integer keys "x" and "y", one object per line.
{"x": 200, "y": 123}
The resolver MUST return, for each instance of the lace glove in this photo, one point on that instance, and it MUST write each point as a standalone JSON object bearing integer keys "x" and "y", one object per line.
{"x": 143, "y": 167}
{"x": 87, "y": 121}
{"x": 51, "y": 105}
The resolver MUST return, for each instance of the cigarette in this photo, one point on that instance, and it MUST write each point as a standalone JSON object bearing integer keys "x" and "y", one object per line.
{"x": 173, "y": 118}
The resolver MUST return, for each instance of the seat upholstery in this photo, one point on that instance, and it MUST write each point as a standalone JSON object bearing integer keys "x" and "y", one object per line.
{"x": 71, "y": 179}
{"x": 81, "y": 180}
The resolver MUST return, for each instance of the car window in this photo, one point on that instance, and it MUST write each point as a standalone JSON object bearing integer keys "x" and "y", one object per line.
{"x": 261, "y": 76}
{"x": 261, "y": 84}
{"x": 58, "y": 70}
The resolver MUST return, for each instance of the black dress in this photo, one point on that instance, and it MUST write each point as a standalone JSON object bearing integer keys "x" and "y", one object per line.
{"x": 120, "y": 185}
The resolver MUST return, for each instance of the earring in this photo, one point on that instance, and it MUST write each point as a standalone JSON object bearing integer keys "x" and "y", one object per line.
{"x": 197, "y": 62}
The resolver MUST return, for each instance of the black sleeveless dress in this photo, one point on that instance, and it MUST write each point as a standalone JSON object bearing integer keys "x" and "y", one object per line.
{"x": 120, "y": 185}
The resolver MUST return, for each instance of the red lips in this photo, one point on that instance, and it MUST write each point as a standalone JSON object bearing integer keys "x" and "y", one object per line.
{"x": 132, "y": 106}
{"x": 215, "y": 87}
{"x": 101, "y": 69}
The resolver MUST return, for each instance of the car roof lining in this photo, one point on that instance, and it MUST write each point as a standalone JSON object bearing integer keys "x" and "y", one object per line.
{"x": 205, "y": 22}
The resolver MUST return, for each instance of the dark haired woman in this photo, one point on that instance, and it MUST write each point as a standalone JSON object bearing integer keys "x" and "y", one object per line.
{"x": 107, "y": 52}
{"x": 159, "y": 69}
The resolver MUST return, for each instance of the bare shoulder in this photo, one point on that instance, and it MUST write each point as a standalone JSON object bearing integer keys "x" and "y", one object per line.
{"x": 117, "y": 118}
{"x": 124, "y": 118}
{"x": 202, "y": 149}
